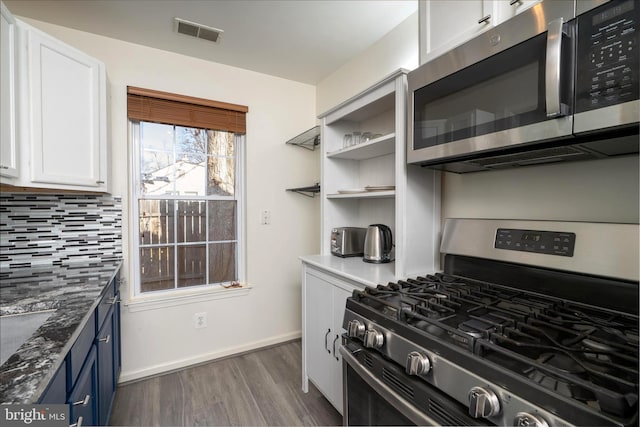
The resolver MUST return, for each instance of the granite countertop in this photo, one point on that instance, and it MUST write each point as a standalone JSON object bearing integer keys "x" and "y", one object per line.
{"x": 74, "y": 292}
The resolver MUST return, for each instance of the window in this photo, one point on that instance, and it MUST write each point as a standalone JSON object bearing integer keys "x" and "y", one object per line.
{"x": 187, "y": 190}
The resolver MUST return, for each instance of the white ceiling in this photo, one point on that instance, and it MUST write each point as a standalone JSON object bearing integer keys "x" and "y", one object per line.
{"x": 302, "y": 40}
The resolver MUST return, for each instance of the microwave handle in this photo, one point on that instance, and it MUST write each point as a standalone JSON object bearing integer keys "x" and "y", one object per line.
{"x": 552, "y": 68}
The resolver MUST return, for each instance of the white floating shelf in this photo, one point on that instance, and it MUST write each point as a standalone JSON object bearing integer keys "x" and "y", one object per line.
{"x": 368, "y": 150}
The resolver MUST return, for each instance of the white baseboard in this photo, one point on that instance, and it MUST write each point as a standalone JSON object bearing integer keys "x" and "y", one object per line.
{"x": 164, "y": 368}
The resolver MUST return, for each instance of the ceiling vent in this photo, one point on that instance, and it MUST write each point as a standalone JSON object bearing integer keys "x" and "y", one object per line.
{"x": 197, "y": 30}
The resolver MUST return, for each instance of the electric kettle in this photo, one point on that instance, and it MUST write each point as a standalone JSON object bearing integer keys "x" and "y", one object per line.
{"x": 378, "y": 243}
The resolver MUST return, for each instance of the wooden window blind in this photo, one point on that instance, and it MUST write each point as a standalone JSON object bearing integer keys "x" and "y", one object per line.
{"x": 163, "y": 107}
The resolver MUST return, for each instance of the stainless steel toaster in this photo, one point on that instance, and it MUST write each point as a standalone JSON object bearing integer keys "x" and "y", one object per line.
{"x": 348, "y": 241}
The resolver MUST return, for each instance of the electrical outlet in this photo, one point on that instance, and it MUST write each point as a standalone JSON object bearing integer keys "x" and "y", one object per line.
{"x": 200, "y": 320}
{"x": 265, "y": 217}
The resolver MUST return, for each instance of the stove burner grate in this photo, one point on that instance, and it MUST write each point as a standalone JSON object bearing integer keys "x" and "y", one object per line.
{"x": 577, "y": 351}
{"x": 564, "y": 387}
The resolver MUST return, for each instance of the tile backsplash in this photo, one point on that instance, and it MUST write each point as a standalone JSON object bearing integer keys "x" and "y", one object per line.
{"x": 49, "y": 229}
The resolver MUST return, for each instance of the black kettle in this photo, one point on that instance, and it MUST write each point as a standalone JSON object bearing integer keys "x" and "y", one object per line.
{"x": 378, "y": 243}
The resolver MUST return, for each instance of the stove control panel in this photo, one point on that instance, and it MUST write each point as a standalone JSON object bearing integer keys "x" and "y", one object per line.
{"x": 482, "y": 398}
{"x": 542, "y": 242}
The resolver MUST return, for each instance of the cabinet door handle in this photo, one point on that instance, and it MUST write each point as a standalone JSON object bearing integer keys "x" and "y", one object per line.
{"x": 512, "y": 2}
{"x": 484, "y": 20}
{"x": 4, "y": 167}
{"x": 334, "y": 347}
{"x": 105, "y": 339}
{"x": 325, "y": 340}
{"x": 77, "y": 423}
{"x": 99, "y": 182}
{"x": 83, "y": 402}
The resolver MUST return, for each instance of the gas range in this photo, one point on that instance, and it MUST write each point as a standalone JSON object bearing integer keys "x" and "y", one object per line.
{"x": 503, "y": 342}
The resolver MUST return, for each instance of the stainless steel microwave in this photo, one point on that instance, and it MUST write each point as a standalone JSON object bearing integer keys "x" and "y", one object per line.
{"x": 560, "y": 81}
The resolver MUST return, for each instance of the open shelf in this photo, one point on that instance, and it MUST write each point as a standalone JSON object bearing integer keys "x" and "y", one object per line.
{"x": 375, "y": 148}
{"x": 309, "y": 191}
{"x": 364, "y": 195}
{"x": 308, "y": 139}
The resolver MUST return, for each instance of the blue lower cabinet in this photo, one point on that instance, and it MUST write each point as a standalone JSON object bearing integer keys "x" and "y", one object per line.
{"x": 105, "y": 344}
{"x": 83, "y": 399}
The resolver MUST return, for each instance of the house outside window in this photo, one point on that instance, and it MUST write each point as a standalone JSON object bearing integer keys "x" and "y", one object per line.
{"x": 188, "y": 201}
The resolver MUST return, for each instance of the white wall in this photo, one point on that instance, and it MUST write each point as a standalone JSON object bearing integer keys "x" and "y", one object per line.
{"x": 397, "y": 49}
{"x": 161, "y": 339}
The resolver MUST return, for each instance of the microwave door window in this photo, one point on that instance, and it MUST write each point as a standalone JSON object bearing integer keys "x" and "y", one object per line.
{"x": 502, "y": 92}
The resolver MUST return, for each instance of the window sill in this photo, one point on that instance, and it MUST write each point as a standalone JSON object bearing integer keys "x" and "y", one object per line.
{"x": 155, "y": 302}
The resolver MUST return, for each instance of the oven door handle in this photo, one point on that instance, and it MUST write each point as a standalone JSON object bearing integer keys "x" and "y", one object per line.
{"x": 552, "y": 68}
{"x": 404, "y": 407}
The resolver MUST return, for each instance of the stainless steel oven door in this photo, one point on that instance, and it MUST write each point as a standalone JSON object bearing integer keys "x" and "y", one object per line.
{"x": 512, "y": 85}
{"x": 378, "y": 392}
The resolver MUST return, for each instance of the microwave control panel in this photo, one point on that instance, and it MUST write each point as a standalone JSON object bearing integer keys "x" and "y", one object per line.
{"x": 608, "y": 66}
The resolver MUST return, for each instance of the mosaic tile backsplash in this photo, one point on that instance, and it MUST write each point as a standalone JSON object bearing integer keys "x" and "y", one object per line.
{"x": 49, "y": 229}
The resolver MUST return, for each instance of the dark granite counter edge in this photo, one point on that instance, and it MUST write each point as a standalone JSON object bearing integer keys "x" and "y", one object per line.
{"x": 48, "y": 366}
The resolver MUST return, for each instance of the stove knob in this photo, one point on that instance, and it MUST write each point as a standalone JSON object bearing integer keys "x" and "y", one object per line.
{"x": 355, "y": 329}
{"x": 373, "y": 339}
{"x": 524, "y": 419}
{"x": 483, "y": 403}
{"x": 417, "y": 364}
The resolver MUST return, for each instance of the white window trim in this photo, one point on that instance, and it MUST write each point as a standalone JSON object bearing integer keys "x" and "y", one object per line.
{"x": 183, "y": 296}
{"x": 138, "y": 301}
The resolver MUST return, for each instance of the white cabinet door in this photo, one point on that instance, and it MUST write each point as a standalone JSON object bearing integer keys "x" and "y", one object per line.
{"x": 339, "y": 296}
{"x": 324, "y": 302}
{"x": 509, "y": 8}
{"x": 8, "y": 85}
{"x": 67, "y": 107}
{"x": 319, "y": 334}
{"x": 445, "y": 24}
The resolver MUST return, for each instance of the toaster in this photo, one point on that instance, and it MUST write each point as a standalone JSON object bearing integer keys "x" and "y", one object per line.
{"x": 348, "y": 241}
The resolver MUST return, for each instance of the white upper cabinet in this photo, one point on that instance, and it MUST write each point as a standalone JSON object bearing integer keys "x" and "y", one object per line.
{"x": 445, "y": 24}
{"x": 53, "y": 111}
{"x": 509, "y": 8}
{"x": 66, "y": 115}
{"x": 8, "y": 88}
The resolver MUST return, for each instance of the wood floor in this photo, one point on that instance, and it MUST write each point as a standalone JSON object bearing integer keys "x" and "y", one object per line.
{"x": 254, "y": 389}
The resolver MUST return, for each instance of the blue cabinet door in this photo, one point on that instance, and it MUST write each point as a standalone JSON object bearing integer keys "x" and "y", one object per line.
{"x": 117, "y": 341}
{"x": 105, "y": 343}
{"x": 83, "y": 397}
